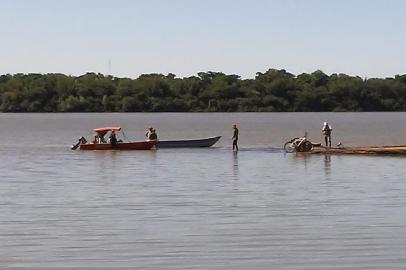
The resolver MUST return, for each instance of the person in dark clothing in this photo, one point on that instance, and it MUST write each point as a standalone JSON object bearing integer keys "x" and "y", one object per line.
{"x": 99, "y": 138}
{"x": 235, "y": 137}
{"x": 151, "y": 134}
{"x": 327, "y": 134}
{"x": 113, "y": 139}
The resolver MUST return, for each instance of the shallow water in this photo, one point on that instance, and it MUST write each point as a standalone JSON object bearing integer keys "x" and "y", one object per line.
{"x": 201, "y": 208}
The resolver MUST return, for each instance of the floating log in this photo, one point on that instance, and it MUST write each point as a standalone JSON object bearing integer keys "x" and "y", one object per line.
{"x": 365, "y": 150}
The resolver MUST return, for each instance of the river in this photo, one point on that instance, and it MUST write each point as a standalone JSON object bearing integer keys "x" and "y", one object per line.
{"x": 201, "y": 208}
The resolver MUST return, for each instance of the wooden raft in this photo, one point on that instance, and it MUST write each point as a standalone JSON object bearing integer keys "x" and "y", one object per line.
{"x": 365, "y": 150}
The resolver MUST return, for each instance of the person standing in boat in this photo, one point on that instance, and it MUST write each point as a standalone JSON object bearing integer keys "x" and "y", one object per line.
{"x": 235, "y": 137}
{"x": 151, "y": 134}
{"x": 327, "y": 133}
{"x": 113, "y": 138}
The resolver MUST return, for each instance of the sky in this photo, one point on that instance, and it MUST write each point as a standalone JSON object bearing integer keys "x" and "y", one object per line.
{"x": 126, "y": 38}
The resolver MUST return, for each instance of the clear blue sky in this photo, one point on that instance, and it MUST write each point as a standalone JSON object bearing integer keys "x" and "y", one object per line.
{"x": 358, "y": 37}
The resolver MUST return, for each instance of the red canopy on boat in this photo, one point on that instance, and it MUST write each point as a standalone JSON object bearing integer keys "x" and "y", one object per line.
{"x": 106, "y": 129}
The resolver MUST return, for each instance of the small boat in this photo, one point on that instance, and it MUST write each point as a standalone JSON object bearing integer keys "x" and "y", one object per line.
{"x": 190, "y": 143}
{"x": 99, "y": 143}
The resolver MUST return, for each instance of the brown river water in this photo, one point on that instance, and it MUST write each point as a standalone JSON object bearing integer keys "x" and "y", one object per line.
{"x": 201, "y": 208}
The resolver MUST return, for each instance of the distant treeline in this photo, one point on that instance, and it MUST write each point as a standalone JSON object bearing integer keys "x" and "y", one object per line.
{"x": 272, "y": 91}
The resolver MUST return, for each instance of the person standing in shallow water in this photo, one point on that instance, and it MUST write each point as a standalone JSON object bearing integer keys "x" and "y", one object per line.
{"x": 327, "y": 134}
{"x": 235, "y": 137}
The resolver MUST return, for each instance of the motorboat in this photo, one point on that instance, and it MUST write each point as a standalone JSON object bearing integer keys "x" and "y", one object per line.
{"x": 188, "y": 143}
{"x": 100, "y": 143}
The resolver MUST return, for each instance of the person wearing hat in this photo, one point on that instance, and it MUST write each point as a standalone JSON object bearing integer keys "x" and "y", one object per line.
{"x": 327, "y": 134}
{"x": 235, "y": 137}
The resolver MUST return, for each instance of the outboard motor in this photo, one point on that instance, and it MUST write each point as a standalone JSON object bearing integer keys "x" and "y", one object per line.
{"x": 82, "y": 140}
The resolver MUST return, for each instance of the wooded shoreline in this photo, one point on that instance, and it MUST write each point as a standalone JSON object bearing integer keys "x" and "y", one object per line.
{"x": 272, "y": 91}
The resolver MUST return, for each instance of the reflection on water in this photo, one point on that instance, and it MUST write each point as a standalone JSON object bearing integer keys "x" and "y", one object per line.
{"x": 235, "y": 165}
{"x": 199, "y": 208}
{"x": 327, "y": 165}
{"x": 306, "y": 159}
{"x": 301, "y": 158}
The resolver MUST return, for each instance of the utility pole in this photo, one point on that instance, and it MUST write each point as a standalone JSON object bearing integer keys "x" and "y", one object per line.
{"x": 109, "y": 67}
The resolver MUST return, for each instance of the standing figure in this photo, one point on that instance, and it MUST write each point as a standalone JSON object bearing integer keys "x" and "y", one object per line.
{"x": 327, "y": 134}
{"x": 113, "y": 139}
{"x": 235, "y": 137}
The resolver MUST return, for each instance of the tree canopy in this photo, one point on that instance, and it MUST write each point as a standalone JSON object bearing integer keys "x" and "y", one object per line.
{"x": 272, "y": 91}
